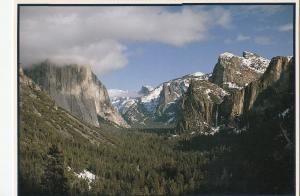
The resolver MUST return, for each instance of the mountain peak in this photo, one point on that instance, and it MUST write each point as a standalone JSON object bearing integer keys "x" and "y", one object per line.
{"x": 115, "y": 93}
{"x": 247, "y": 54}
{"x": 197, "y": 74}
{"x": 76, "y": 89}
{"x": 226, "y": 55}
{"x": 145, "y": 90}
{"x": 233, "y": 71}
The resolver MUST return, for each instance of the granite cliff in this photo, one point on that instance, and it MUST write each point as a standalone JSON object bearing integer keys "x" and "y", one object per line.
{"x": 233, "y": 107}
{"x": 242, "y": 101}
{"x": 77, "y": 89}
{"x": 157, "y": 107}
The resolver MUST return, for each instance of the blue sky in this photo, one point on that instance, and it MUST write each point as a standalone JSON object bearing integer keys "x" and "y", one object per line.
{"x": 153, "y": 63}
{"x": 132, "y": 46}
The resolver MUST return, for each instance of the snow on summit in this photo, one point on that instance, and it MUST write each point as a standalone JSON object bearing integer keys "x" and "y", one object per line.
{"x": 121, "y": 93}
{"x": 227, "y": 54}
{"x": 250, "y": 60}
{"x": 196, "y": 74}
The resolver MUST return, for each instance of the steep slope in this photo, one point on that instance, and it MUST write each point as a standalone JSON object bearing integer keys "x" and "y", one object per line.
{"x": 241, "y": 101}
{"x": 259, "y": 160}
{"x": 199, "y": 114}
{"x": 76, "y": 89}
{"x": 145, "y": 90}
{"x": 256, "y": 129}
{"x": 200, "y": 106}
{"x": 38, "y": 108}
{"x": 264, "y": 148}
{"x": 42, "y": 123}
{"x": 156, "y": 107}
{"x": 234, "y": 72}
{"x": 163, "y": 106}
{"x": 97, "y": 161}
{"x": 248, "y": 76}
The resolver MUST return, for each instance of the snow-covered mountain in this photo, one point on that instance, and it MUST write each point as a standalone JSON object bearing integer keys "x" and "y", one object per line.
{"x": 155, "y": 106}
{"x": 145, "y": 90}
{"x": 162, "y": 105}
{"x": 233, "y": 72}
{"x": 206, "y": 112}
{"x": 121, "y": 93}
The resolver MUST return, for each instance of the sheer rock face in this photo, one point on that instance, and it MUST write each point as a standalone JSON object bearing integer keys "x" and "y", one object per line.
{"x": 233, "y": 72}
{"x": 145, "y": 90}
{"x": 242, "y": 101}
{"x": 171, "y": 92}
{"x": 158, "y": 107}
{"x": 76, "y": 89}
{"x": 200, "y": 106}
{"x": 228, "y": 105}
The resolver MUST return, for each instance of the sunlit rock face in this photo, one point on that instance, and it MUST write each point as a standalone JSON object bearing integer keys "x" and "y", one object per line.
{"x": 233, "y": 72}
{"x": 157, "y": 107}
{"x": 210, "y": 104}
{"x": 76, "y": 89}
{"x": 241, "y": 101}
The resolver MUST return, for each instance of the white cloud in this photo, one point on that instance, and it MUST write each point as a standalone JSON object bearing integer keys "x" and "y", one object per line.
{"x": 263, "y": 40}
{"x": 286, "y": 27}
{"x": 98, "y": 35}
{"x": 107, "y": 54}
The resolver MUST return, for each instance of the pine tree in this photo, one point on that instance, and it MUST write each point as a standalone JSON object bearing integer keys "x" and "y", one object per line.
{"x": 54, "y": 180}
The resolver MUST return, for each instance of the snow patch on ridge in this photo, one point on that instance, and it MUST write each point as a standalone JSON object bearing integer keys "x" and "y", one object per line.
{"x": 152, "y": 100}
{"x": 227, "y": 55}
{"x": 250, "y": 60}
{"x": 233, "y": 85}
{"x": 121, "y": 93}
{"x": 257, "y": 64}
{"x": 197, "y": 74}
{"x": 284, "y": 113}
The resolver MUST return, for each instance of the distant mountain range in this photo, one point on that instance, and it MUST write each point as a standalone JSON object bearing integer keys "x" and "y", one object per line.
{"x": 162, "y": 106}
{"x": 156, "y": 107}
{"x": 195, "y": 102}
{"x": 230, "y": 131}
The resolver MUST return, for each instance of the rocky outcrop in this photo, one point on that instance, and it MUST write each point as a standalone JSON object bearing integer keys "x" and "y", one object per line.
{"x": 231, "y": 108}
{"x": 39, "y": 114}
{"x": 76, "y": 89}
{"x": 233, "y": 72}
{"x": 145, "y": 90}
{"x": 200, "y": 106}
{"x": 159, "y": 106}
{"x": 241, "y": 101}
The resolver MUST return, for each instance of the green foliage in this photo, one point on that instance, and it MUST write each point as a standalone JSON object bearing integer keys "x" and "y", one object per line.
{"x": 54, "y": 180}
{"x": 144, "y": 162}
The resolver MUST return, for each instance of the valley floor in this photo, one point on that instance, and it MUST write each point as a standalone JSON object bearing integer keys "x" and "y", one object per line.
{"x": 61, "y": 155}
{"x": 140, "y": 163}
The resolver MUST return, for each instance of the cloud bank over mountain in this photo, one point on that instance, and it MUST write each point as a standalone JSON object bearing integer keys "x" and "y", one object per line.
{"x": 98, "y": 35}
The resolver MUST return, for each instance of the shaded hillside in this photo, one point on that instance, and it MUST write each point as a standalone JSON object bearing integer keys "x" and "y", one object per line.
{"x": 117, "y": 161}
{"x": 260, "y": 139}
{"x": 228, "y": 109}
{"x": 43, "y": 123}
{"x": 218, "y": 151}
